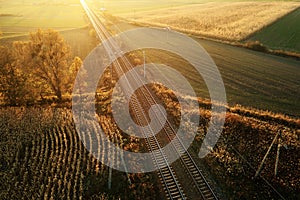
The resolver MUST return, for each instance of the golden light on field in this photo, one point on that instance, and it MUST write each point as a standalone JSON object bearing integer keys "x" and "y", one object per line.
{"x": 149, "y": 99}
{"x": 221, "y": 20}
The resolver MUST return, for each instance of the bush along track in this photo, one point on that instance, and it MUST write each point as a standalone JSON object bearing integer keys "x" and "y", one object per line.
{"x": 249, "y": 136}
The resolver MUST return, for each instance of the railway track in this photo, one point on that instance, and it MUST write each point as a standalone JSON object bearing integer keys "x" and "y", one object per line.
{"x": 172, "y": 187}
{"x": 196, "y": 176}
{"x": 167, "y": 176}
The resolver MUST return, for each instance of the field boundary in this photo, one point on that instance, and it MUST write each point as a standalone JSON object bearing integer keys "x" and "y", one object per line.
{"x": 270, "y": 24}
{"x": 282, "y": 53}
{"x": 22, "y": 34}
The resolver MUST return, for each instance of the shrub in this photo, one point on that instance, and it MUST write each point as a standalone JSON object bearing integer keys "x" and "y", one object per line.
{"x": 257, "y": 46}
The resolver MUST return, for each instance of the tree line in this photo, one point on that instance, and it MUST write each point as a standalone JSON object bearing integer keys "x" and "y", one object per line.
{"x": 37, "y": 69}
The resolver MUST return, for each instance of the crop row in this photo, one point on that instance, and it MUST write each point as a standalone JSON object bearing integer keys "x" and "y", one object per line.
{"x": 52, "y": 163}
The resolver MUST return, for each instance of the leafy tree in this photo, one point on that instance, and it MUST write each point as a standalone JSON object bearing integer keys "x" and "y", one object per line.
{"x": 81, "y": 76}
{"x": 34, "y": 88}
{"x": 74, "y": 69}
{"x": 40, "y": 67}
{"x": 48, "y": 57}
{"x": 12, "y": 80}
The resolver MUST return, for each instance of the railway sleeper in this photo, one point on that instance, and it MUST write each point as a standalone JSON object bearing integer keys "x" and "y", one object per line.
{"x": 166, "y": 169}
{"x": 160, "y": 159}
{"x": 178, "y": 196}
{"x": 204, "y": 190}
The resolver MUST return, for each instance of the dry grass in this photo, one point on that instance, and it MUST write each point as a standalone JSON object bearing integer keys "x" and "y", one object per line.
{"x": 245, "y": 139}
{"x": 226, "y": 21}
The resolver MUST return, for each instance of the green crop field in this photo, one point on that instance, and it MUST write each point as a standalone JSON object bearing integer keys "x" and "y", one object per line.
{"x": 79, "y": 47}
{"x": 283, "y": 34}
{"x": 251, "y": 79}
{"x": 19, "y": 17}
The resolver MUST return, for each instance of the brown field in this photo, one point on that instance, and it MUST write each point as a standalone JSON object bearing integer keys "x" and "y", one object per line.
{"x": 246, "y": 137}
{"x": 232, "y": 21}
{"x": 53, "y": 146}
{"x": 42, "y": 154}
